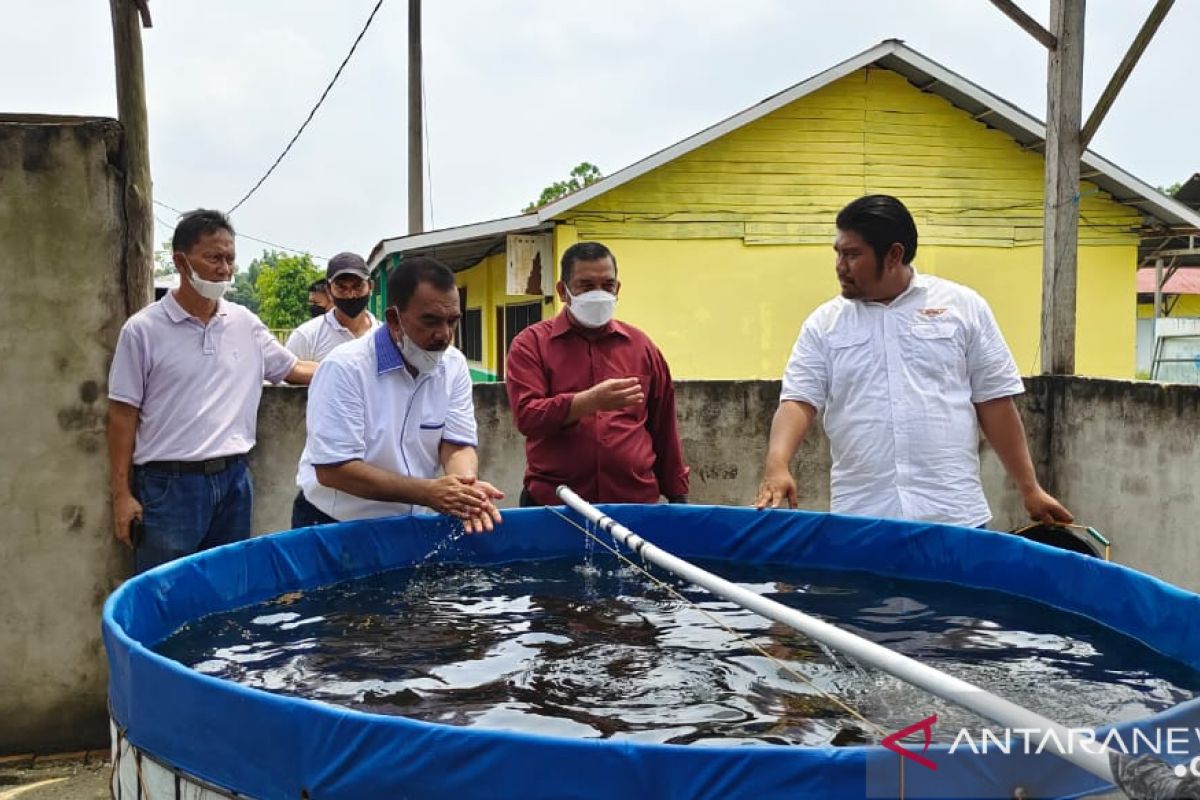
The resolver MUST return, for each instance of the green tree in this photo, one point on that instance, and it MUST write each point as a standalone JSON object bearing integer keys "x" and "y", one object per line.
{"x": 164, "y": 263}
{"x": 583, "y": 175}
{"x": 282, "y": 283}
{"x": 245, "y": 290}
{"x": 1170, "y": 191}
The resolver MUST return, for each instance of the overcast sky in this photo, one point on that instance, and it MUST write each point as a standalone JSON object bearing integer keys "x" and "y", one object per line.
{"x": 519, "y": 91}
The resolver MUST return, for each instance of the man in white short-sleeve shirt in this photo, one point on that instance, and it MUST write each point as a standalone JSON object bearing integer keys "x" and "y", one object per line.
{"x": 348, "y": 283}
{"x": 907, "y": 368}
{"x": 390, "y": 411}
{"x": 183, "y": 393}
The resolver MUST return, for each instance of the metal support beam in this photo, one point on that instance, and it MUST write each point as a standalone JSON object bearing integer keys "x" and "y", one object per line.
{"x": 1117, "y": 81}
{"x": 1028, "y": 23}
{"x": 1064, "y": 107}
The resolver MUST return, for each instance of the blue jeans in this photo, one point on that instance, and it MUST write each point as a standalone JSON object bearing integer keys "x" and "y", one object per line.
{"x": 185, "y": 513}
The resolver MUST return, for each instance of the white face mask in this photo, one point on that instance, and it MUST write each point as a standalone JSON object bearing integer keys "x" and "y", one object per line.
{"x": 593, "y": 309}
{"x": 423, "y": 360}
{"x": 209, "y": 290}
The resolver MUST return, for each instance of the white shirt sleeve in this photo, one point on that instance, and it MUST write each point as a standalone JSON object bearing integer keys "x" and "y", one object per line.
{"x": 127, "y": 376}
{"x": 336, "y": 415}
{"x": 806, "y": 377}
{"x": 460, "y": 414}
{"x": 300, "y": 344}
{"x": 990, "y": 365}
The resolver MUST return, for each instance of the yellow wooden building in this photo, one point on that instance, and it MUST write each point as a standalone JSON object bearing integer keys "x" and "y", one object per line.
{"x": 723, "y": 240}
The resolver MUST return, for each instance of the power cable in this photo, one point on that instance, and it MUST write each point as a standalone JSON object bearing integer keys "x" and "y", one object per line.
{"x": 312, "y": 113}
{"x": 242, "y": 235}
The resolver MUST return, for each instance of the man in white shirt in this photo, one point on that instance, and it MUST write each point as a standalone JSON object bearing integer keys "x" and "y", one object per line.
{"x": 907, "y": 368}
{"x": 348, "y": 283}
{"x": 389, "y": 411}
{"x": 318, "y": 298}
{"x": 183, "y": 395}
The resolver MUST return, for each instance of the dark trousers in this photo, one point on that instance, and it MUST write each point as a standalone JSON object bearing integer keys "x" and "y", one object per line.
{"x": 305, "y": 513}
{"x": 526, "y": 500}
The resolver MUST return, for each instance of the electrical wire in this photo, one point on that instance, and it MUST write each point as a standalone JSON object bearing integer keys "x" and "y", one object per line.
{"x": 312, "y": 113}
{"x": 242, "y": 235}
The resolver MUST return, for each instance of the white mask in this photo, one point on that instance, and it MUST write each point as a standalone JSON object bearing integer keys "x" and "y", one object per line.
{"x": 423, "y": 360}
{"x": 593, "y": 309}
{"x": 209, "y": 290}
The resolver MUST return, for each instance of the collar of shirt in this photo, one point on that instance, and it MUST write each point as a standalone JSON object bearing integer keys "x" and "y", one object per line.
{"x": 331, "y": 319}
{"x": 918, "y": 283}
{"x": 562, "y": 326}
{"x": 387, "y": 353}
{"x": 176, "y": 313}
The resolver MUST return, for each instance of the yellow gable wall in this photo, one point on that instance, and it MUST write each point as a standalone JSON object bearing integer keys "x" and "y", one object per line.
{"x": 725, "y": 250}
{"x": 740, "y": 320}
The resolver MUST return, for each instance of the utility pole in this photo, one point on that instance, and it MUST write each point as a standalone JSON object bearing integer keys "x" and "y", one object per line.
{"x": 1065, "y": 143}
{"x": 416, "y": 144}
{"x": 128, "y": 17}
{"x": 1060, "y": 248}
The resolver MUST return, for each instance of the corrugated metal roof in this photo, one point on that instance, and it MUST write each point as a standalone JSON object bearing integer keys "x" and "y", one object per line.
{"x": 1186, "y": 280}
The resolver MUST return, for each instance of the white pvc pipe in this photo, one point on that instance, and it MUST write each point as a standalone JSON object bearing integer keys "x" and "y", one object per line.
{"x": 1080, "y": 750}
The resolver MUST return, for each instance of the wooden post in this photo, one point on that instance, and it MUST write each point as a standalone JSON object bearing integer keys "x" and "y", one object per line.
{"x": 416, "y": 148}
{"x": 1158, "y": 293}
{"x": 1064, "y": 108}
{"x": 127, "y": 17}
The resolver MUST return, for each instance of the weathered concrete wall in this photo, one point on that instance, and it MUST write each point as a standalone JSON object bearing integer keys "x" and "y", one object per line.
{"x": 1125, "y": 456}
{"x": 724, "y": 426}
{"x": 1121, "y": 456}
{"x": 60, "y": 244}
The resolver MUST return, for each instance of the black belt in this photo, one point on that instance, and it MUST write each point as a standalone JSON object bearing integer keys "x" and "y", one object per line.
{"x": 210, "y": 467}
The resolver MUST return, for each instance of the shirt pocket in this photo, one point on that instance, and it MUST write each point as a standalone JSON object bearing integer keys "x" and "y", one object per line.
{"x": 847, "y": 339}
{"x": 934, "y": 352}
{"x": 431, "y": 432}
{"x": 849, "y": 350}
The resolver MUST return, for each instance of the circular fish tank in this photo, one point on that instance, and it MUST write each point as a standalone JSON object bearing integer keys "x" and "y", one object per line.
{"x": 179, "y": 730}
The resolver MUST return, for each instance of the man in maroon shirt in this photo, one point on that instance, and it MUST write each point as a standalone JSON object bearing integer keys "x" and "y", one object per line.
{"x": 594, "y": 397}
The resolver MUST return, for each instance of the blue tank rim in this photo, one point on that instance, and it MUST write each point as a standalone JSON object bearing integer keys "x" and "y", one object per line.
{"x": 225, "y": 573}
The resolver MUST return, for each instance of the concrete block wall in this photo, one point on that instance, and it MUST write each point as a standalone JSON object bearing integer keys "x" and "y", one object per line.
{"x": 724, "y": 426}
{"x": 1120, "y": 454}
{"x": 61, "y": 234}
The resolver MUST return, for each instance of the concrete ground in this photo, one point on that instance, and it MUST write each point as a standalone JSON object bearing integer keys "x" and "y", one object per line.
{"x": 75, "y": 776}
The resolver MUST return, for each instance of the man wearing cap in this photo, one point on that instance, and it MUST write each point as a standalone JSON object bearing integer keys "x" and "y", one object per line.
{"x": 183, "y": 395}
{"x": 349, "y": 284}
{"x": 390, "y": 411}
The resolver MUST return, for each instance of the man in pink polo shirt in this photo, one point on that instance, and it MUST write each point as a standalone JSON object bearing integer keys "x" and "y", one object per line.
{"x": 183, "y": 395}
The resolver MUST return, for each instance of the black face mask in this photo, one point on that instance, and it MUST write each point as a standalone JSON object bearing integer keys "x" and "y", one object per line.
{"x": 351, "y": 306}
{"x": 315, "y": 310}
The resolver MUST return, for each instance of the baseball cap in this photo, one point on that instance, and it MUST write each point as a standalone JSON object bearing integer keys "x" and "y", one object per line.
{"x": 347, "y": 264}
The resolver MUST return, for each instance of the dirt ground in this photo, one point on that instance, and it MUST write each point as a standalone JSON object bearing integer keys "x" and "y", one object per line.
{"x": 77, "y": 776}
